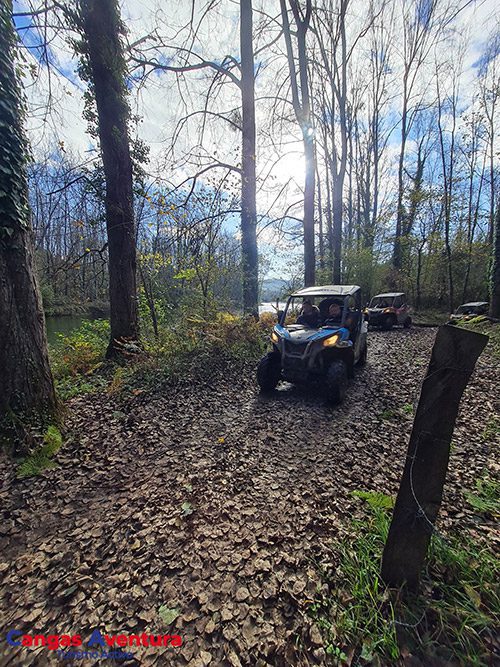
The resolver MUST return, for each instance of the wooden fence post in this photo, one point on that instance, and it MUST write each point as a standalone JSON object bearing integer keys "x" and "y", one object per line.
{"x": 453, "y": 358}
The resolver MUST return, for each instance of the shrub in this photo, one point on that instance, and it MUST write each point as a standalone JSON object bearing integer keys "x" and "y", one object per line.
{"x": 268, "y": 320}
{"x": 81, "y": 350}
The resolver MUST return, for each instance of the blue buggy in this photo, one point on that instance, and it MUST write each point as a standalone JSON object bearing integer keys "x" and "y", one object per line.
{"x": 320, "y": 337}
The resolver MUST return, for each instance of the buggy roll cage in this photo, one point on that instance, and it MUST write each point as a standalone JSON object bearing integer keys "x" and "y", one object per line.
{"x": 328, "y": 293}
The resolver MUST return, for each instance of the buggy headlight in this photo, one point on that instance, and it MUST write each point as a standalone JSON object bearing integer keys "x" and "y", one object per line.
{"x": 387, "y": 310}
{"x": 331, "y": 341}
{"x": 274, "y": 337}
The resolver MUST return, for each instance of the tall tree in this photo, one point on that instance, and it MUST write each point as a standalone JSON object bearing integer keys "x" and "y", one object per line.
{"x": 106, "y": 73}
{"x": 378, "y": 136}
{"x": 26, "y": 386}
{"x": 420, "y": 31}
{"x": 242, "y": 75}
{"x": 476, "y": 167}
{"x": 337, "y": 39}
{"x": 489, "y": 84}
{"x": 249, "y": 254}
{"x": 495, "y": 269}
{"x": 302, "y": 107}
{"x": 332, "y": 27}
{"x": 447, "y": 154}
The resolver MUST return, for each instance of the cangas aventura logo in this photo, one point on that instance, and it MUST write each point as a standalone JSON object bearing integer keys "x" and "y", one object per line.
{"x": 65, "y": 644}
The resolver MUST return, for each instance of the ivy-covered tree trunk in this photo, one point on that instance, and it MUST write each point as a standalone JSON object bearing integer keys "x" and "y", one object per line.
{"x": 107, "y": 67}
{"x": 27, "y": 393}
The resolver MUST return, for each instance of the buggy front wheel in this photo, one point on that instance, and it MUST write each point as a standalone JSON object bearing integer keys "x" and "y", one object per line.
{"x": 336, "y": 382}
{"x": 388, "y": 322}
{"x": 269, "y": 371}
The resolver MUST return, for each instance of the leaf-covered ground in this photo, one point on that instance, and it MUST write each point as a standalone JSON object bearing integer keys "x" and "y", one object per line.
{"x": 215, "y": 504}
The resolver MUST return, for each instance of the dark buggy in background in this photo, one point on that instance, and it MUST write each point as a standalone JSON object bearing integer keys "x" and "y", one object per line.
{"x": 467, "y": 311}
{"x": 324, "y": 354}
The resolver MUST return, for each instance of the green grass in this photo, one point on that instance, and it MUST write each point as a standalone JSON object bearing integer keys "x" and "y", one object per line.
{"x": 71, "y": 386}
{"x": 492, "y": 429}
{"x": 452, "y": 619}
{"x": 487, "y": 498}
{"x": 375, "y": 500}
{"x": 41, "y": 458}
{"x": 390, "y": 413}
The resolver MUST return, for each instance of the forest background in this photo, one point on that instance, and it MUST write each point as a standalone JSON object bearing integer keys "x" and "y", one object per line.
{"x": 395, "y": 105}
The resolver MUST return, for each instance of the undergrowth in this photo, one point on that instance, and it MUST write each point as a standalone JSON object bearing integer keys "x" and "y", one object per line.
{"x": 430, "y": 316}
{"x": 452, "y": 621}
{"x": 188, "y": 349}
{"x": 77, "y": 357}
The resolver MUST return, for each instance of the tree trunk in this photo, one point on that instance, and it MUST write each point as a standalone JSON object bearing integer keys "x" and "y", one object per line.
{"x": 491, "y": 226}
{"x": 309, "y": 249}
{"x": 101, "y": 24}
{"x": 418, "y": 300}
{"x": 302, "y": 108}
{"x": 329, "y": 221}
{"x": 338, "y": 183}
{"x": 495, "y": 269}
{"x": 397, "y": 254}
{"x": 453, "y": 358}
{"x": 320, "y": 220}
{"x": 471, "y": 234}
{"x": 448, "y": 196}
{"x": 308, "y": 138}
{"x": 26, "y": 386}
{"x": 337, "y": 203}
{"x": 248, "y": 178}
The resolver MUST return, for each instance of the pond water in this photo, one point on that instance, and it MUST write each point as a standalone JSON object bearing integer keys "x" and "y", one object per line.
{"x": 62, "y": 324}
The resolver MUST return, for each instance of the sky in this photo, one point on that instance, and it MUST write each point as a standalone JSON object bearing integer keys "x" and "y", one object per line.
{"x": 161, "y": 102}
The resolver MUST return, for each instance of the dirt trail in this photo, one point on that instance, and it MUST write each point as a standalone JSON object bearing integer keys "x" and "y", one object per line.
{"x": 217, "y": 502}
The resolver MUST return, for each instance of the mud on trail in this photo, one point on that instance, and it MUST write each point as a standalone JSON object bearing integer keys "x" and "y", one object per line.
{"x": 219, "y": 503}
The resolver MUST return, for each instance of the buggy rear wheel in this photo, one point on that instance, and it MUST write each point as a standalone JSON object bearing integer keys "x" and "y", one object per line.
{"x": 407, "y": 323}
{"x": 269, "y": 371}
{"x": 336, "y": 382}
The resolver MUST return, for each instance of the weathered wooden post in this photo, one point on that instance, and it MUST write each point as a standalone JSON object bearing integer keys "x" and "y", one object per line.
{"x": 453, "y": 358}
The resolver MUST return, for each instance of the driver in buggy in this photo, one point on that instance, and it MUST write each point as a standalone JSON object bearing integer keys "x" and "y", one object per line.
{"x": 309, "y": 315}
{"x": 334, "y": 316}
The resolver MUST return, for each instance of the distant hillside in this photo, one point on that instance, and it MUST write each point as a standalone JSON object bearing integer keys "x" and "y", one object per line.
{"x": 272, "y": 288}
